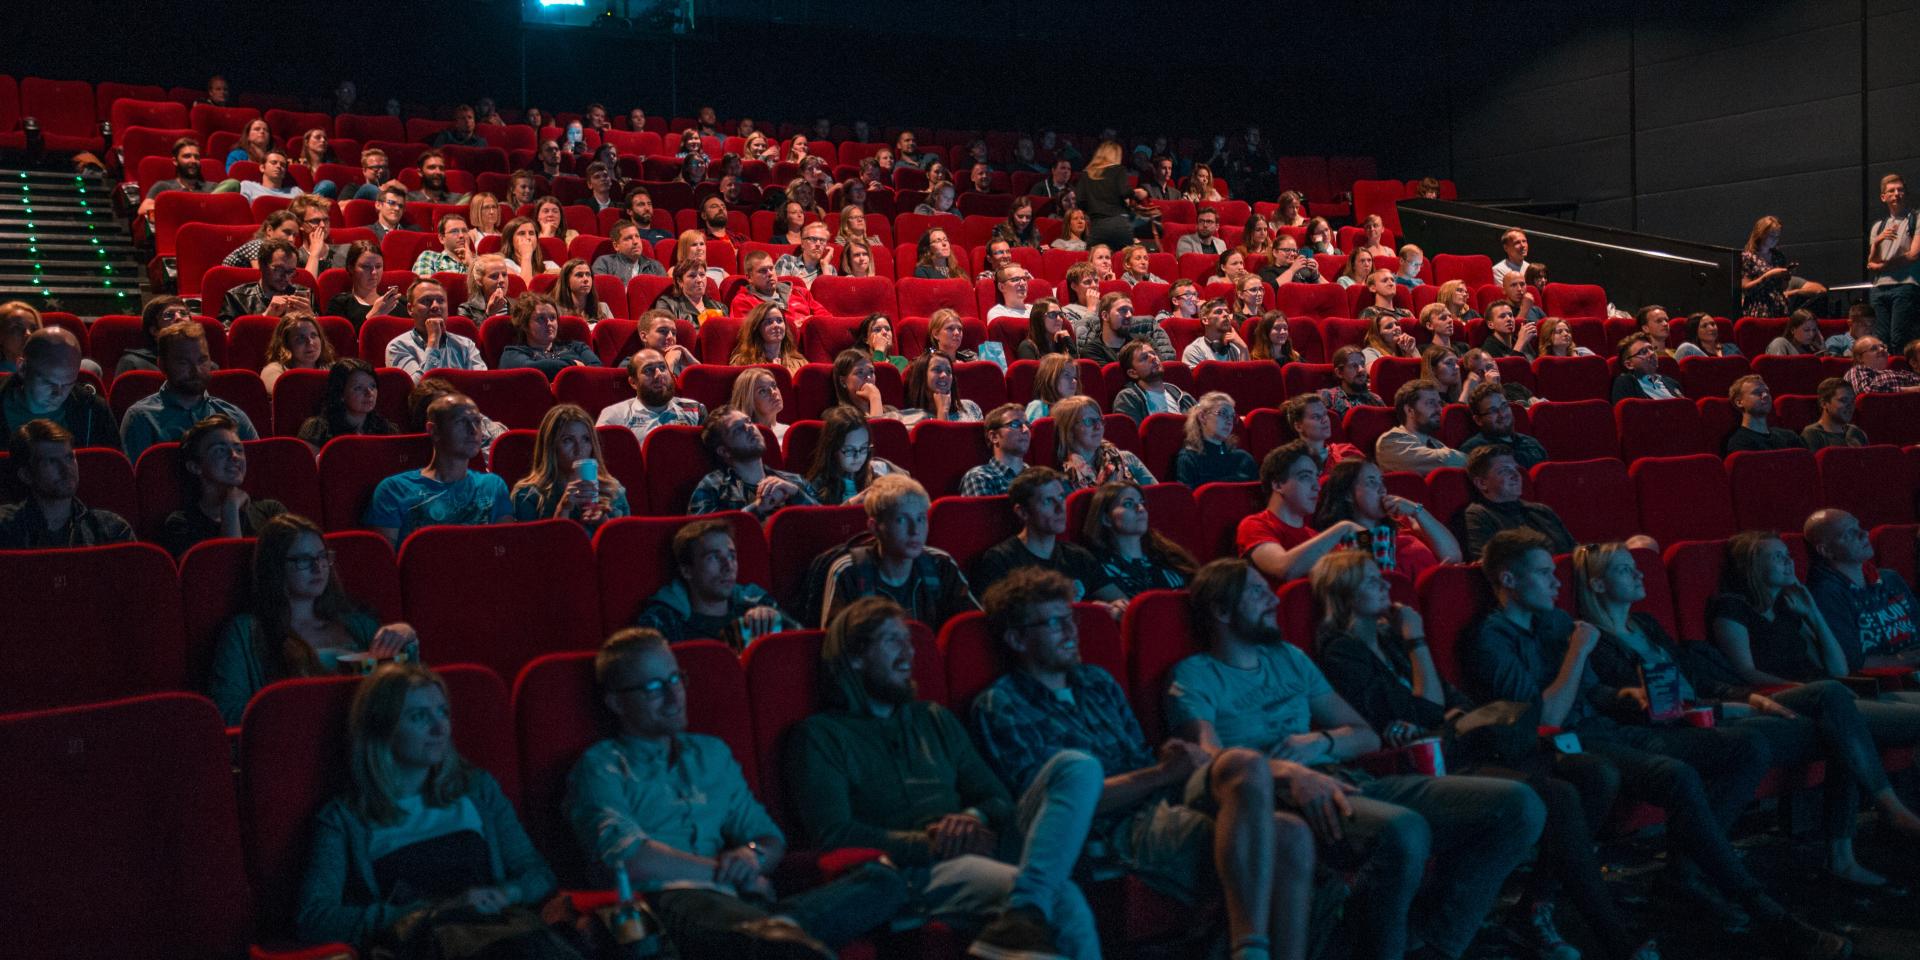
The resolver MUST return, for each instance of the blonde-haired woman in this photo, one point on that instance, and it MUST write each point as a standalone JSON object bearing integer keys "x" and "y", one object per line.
{"x": 487, "y": 288}
{"x": 413, "y": 798}
{"x": 1103, "y": 192}
{"x": 1209, "y": 454}
{"x": 691, "y": 245}
{"x": 483, "y": 217}
{"x": 558, "y": 484}
{"x": 1458, "y": 299}
{"x": 1085, "y": 454}
{"x": 757, "y": 394}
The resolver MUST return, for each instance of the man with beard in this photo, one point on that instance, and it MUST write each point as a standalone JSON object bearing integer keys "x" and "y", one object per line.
{"x": 183, "y": 400}
{"x": 41, "y": 453}
{"x": 274, "y": 293}
{"x": 186, "y": 175}
{"x": 897, "y": 563}
{"x": 433, "y": 181}
{"x": 1039, "y": 499}
{"x": 743, "y": 480}
{"x": 640, "y": 213}
{"x": 1146, "y": 391}
{"x": 713, "y": 222}
{"x": 1413, "y": 445}
{"x": 674, "y": 811}
{"x": 1253, "y": 691}
{"x": 446, "y": 491}
{"x": 1754, "y": 402}
{"x": 653, "y": 401}
{"x": 881, "y": 768}
{"x": 1009, "y": 434}
{"x": 1187, "y": 822}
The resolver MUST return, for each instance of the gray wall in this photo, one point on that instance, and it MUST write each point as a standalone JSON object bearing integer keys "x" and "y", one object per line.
{"x": 1694, "y": 127}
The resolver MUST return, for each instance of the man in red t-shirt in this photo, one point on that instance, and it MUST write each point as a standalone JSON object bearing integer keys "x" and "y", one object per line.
{"x": 1277, "y": 540}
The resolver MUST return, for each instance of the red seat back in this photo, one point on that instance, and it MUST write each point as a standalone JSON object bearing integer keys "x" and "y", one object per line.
{"x": 1156, "y": 634}
{"x": 634, "y": 556}
{"x": 69, "y": 629}
{"x": 352, "y": 466}
{"x": 943, "y": 451}
{"x": 1219, "y": 508}
{"x": 1572, "y": 378}
{"x": 518, "y": 398}
{"x": 1702, "y": 377}
{"x": 1683, "y": 498}
{"x": 1659, "y": 428}
{"x": 1773, "y": 489}
{"x": 492, "y": 627}
{"x": 1889, "y": 417}
{"x": 974, "y": 658}
{"x": 1594, "y": 498}
{"x": 1873, "y": 483}
{"x": 966, "y": 526}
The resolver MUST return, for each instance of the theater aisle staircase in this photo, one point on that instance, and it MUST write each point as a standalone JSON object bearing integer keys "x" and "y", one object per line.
{"x": 61, "y": 247}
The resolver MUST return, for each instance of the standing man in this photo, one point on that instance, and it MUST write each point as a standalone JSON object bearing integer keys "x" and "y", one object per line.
{"x": 1893, "y": 264}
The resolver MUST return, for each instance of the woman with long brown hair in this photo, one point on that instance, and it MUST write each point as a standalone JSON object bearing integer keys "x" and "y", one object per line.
{"x": 558, "y": 485}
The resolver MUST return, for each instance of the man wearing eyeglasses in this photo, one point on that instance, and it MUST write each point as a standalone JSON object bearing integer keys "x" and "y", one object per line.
{"x": 761, "y": 287}
{"x": 1010, "y": 436}
{"x": 1640, "y": 377}
{"x": 706, "y": 600}
{"x": 1203, "y": 239}
{"x": 1870, "y": 372}
{"x": 1014, "y": 281}
{"x": 811, "y": 262}
{"x": 673, "y": 810}
{"x": 389, "y": 210}
{"x": 317, "y": 253}
{"x": 375, "y": 174}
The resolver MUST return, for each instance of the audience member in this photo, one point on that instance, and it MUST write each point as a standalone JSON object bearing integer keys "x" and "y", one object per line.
{"x": 1018, "y": 228}
{"x": 1134, "y": 556}
{"x": 1556, "y": 340}
{"x": 653, "y": 402}
{"x": 854, "y": 385}
{"x": 1514, "y": 242}
{"x": 211, "y": 468}
{"x": 843, "y": 462}
{"x": 275, "y": 293}
{"x": 1162, "y": 807}
{"x": 1494, "y": 416}
{"x": 446, "y": 490}
{"x": 896, "y": 562}
{"x": 419, "y": 836}
{"x": 47, "y": 386}
{"x": 1871, "y": 374}
{"x": 1039, "y": 500}
{"x": 1049, "y": 331}
{"x": 1203, "y": 239}
{"x": 742, "y": 481}
{"x": 1307, "y": 417}
{"x": 454, "y": 250}
{"x": 1009, "y": 436}
{"x": 1516, "y": 294}
{"x": 1350, "y": 389}
{"x": 433, "y": 181}
{"x": 933, "y": 392}
{"x": 629, "y": 257}
{"x": 274, "y": 180}
{"x": 1498, "y": 479}
{"x": 1870, "y": 609}
{"x": 1210, "y": 453}
{"x": 1529, "y": 651}
{"x": 1011, "y": 282}
{"x": 1506, "y": 336}
{"x": 1893, "y": 251}
{"x": 811, "y": 261}
{"x": 1859, "y": 324}
{"x": 1057, "y": 378}
{"x": 1479, "y": 828}
{"x": 1277, "y": 540}
{"x": 795, "y": 304}
{"x": 687, "y": 299}
{"x": 1384, "y": 336}
{"x": 1273, "y": 340}
{"x": 430, "y": 345}
{"x": 1375, "y": 655}
{"x": 1442, "y": 366}
{"x": 348, "y": 405}
{"x": 766, "y": 337}
{"x": 535, "y": 321}
{"x": 1218, "y": 339}
{"x": 186, "y": 177}
{"x": 1835, "y": 427}
{"x": 1085, "y": 456}
{"x": 882, "y": 768}
{"x": 1146, "y": 393}
{"x": 1801, "y": 338}
{"x": 1754, "y": 403}
{"x": 183, "y": 400}
{"x": 758, "y": 395}
{"x": 1640, "y": 377}
{"x": 41, "y": 454}
{"x": 705, "y": 599}
{"x": 364, "y": 296}
{"x": 1402, "y": 535}
{"x": 1414, "y": 445}
{"x": 559, "y": 484}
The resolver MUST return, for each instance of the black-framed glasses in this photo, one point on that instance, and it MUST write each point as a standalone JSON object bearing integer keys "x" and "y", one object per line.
{"x": 307, "y": 562}
{"x": 656, "y": 686}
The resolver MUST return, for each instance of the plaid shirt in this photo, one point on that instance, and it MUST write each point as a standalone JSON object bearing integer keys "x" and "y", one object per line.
{"x": 431, "y": 262}
{"x": 990, "y": 479}
{"x": 724, "y": 489}
{"x": 1339, "y": 401}
{"x": 794, "y": 265}
{"x": 1889, "y": 380}
{"x": 1021, "y": 724}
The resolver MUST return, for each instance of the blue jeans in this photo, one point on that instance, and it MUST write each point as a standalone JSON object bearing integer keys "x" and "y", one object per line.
{"x": 1476, "y": 829}
{"x": 1052, "y": 820}
{"x": 1896, "y": 314}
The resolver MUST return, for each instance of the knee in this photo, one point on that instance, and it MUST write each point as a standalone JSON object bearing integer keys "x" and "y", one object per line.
{"x": 1406, "y": 841}
{"x": 1075, "y": 770}
{"x": 1243, "y": 775}
{"x": 1748, "y": 750}
{"x": 1831, "y": 696}
{"x": 1520, "y": 810}
{"x": 1560, "y": 799}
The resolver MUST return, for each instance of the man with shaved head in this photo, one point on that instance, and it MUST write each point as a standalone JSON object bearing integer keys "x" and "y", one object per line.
{"x": 48, "y": 386}
{"x": 1871, "y": 610}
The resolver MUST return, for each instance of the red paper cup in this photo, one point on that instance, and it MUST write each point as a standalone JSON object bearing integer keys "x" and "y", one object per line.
{"x": 1698, "y": 716}
{"x": 1424, "y": 757}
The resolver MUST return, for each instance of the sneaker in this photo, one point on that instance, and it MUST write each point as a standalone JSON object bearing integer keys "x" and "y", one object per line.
{"x": 1020, "y": 933}
{"x": 1544, "y": 937}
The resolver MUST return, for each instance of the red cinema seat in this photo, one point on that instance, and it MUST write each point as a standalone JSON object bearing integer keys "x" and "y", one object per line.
{"x": 1475, "y": 269}
{"x": 1299, "y": 378}
{"x": 65, "y": 111}
{"x": 634, "y": 556}
{"x": 496, "y": 333}
{"x": 1659, "y": 428}
{"x": 518, "y": 398}
{"x": 1790, "y": 374}
{"x": 1773, "y": 489}
{"x": 984, "y": 383}
{"x": 278, "y": 468}
{"x": 966, "y": 526}
{"x": 974, "y": 658}
{"x": 1578, "y": 430}
{"x": 293, "y": 760}
{"x": 783, "y": 685}
{"x": 1170, "y": 505}
{"x": 128, "y": 388}
{"x": 1310, "y": 301}
{"x": 943, "y": 451}
{"x": 1873, "y": 483}
{"x": 176, "y": 208}
{"x": 1894, "y": 549}
{"x": 1693, "y": 575}
{"x": 106, "y": 481}
{"x": 1219, "y": 508}
{"x": 296, "y": 396}
{"x": 171, "y": 828}
{"x": 352, "y": 466}
{"x": 69, "y": 636}
{"x": 1155, "y": 635}
{"x": 855, "y": 296}
{"x": 592, "y": 388}
{"x": 796, "y": 535}
{"x": 1572, "y": 378}
{"x": 1704, "y": 377}
{"x": 1453, "y": 597}
{"x": 1252, "y": 384}
{"x": 494, "y": 627}
{"x": 1594, "y": 498}
{"x": 824, "y": 337}
{"x": 127, "y": 112}
{"x": 1889, "y": 417}
{"x": 1683, "y": 498}
{"x": 1162, "y": 436}
{"x": 676, "y": 462}
{"x": 1388, "y": 373}
{"x": 243, "y": 389}
{"x": 920, "y": 298}
{"x": 1364, "y": 425}
{"x": 207, "y": 119}
{"x": 1448, "y": 491}
{"x": 1574, "y": 300}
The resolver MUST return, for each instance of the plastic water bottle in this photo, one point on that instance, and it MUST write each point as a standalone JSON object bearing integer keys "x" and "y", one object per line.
{"x": 627, "y": 925}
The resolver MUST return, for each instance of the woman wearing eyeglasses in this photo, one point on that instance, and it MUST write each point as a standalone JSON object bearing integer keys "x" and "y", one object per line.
{"x": 299, "y": 619}
{"x": 843, "y": 463}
